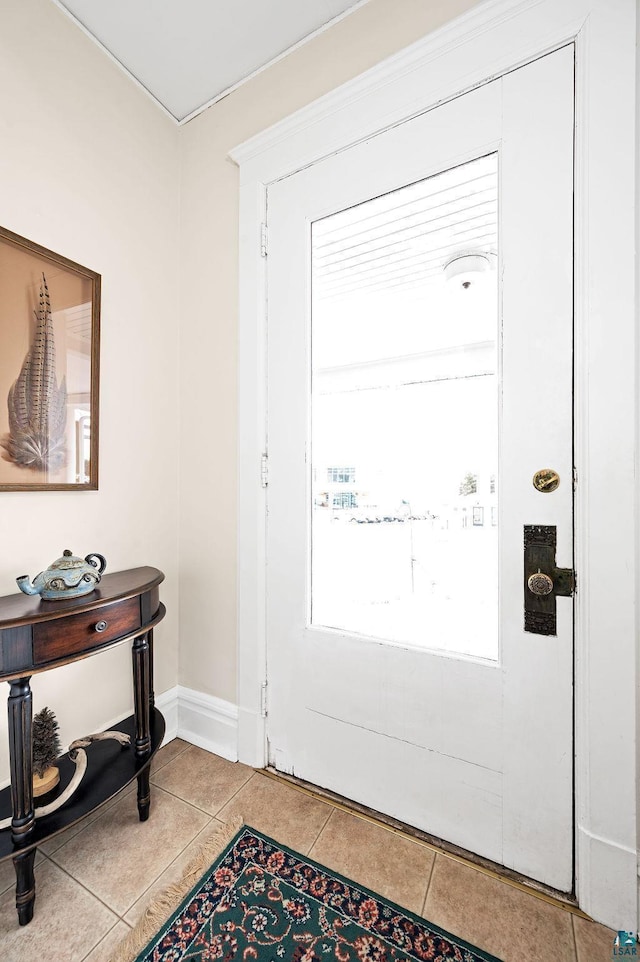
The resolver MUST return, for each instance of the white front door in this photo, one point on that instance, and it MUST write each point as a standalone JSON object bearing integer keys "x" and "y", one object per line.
{"x": 419, "y": 375}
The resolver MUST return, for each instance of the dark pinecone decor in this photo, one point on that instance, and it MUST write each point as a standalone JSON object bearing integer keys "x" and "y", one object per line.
{"x": 46, "y": 741}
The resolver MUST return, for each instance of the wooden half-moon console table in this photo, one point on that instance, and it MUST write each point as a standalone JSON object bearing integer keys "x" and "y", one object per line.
{"x": 37, "y": 636}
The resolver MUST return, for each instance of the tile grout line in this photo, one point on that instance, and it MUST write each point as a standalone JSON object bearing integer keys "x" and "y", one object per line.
{"x": 111, "y": 909}
{"x": 88, "y": 890}
{"x": 575, "y": 940}
{"x": 101, "y": 900}
{"x": 317, "y": 838}
{"x": 158, "y": 788}
{"x": 196, "y": 808}
{"x": 119, "y": 919}
{"x": 173, "y": 758}
{"x": 426, "y": 894}
{"x": 181, "y": 852}
{"x": 231, "y": 798}
{"x": 181, "y": 799}
{"x": 91, "y": 817}
{"x": 218, "y": 810}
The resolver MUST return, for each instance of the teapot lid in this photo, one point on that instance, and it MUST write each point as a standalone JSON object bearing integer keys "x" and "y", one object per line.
{"x": 68, "y": 561}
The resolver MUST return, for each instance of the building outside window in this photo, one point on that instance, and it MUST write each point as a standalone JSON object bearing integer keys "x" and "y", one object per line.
{"x": 344, "y": 499}
{"x": 341, "y": 475}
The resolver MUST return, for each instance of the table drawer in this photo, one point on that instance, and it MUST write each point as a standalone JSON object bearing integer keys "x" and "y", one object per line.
{"x": 61, "y": 637}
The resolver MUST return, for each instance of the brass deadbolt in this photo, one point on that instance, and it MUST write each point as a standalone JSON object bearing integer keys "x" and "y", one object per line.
{"x": 546, "y": 480}
{"x": 540, "y": 584}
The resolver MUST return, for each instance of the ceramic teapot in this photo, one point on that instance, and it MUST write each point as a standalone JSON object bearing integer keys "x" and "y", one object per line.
{"x": 68, "y": 577}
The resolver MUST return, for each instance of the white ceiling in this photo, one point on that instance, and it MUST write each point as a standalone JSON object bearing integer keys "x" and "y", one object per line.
{"x": 188, "y": 53}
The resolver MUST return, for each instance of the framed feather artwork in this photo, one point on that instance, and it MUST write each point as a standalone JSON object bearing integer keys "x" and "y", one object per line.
{"x": 49, "y": 369}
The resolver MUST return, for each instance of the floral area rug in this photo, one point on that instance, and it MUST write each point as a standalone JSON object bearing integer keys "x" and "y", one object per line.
{"x": 261, "y": 901}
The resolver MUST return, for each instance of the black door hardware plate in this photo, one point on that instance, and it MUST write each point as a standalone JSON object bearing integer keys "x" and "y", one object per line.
{"x": 540, "y": 560}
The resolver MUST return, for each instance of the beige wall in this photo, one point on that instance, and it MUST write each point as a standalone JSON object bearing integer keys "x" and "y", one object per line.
{"x": 89, "y": 168}
{"x": 209, "y": 311}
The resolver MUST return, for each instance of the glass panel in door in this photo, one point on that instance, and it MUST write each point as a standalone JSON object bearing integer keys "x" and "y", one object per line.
{"x": 404, "y": 476}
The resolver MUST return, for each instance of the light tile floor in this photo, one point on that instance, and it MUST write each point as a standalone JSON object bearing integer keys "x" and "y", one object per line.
{"x": 94, "y": 880}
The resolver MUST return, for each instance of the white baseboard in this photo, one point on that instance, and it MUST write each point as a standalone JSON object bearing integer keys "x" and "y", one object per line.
{"x": 203, "y": 720}
{"x": 167, "y": 703}
{"x": 599, "y": 891}
{"x": 208, "y": 722}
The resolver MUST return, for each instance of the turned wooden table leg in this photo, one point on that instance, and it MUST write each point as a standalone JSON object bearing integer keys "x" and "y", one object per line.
{"x": 144, "y": 795}
{"x": 152, "y": 697}
{"x": 23, "y": 817}
{"x": 141, "y": 695}
{"x": 25, "y": 885}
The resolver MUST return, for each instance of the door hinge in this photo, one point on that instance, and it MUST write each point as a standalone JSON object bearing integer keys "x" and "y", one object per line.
{"x": 264, "y": 238}
{"x": 264, "y": 470}
{"x": 263, "y": 699}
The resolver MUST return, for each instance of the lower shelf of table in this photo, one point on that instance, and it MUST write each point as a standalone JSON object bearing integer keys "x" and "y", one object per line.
{"x": 110, "y": 768}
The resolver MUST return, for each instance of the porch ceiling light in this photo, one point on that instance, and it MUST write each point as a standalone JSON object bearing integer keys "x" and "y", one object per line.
{"x": 464, "y": 268}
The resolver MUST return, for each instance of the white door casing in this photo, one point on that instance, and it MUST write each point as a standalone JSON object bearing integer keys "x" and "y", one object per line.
{"x": 488, "y": 41}
{"x": 476, "y": 752}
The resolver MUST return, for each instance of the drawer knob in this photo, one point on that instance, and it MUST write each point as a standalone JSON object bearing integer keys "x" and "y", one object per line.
{"x": 101, "y": 625}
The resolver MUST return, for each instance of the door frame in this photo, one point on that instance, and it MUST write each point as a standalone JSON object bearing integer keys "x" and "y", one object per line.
{"x": 491, "y": 39}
